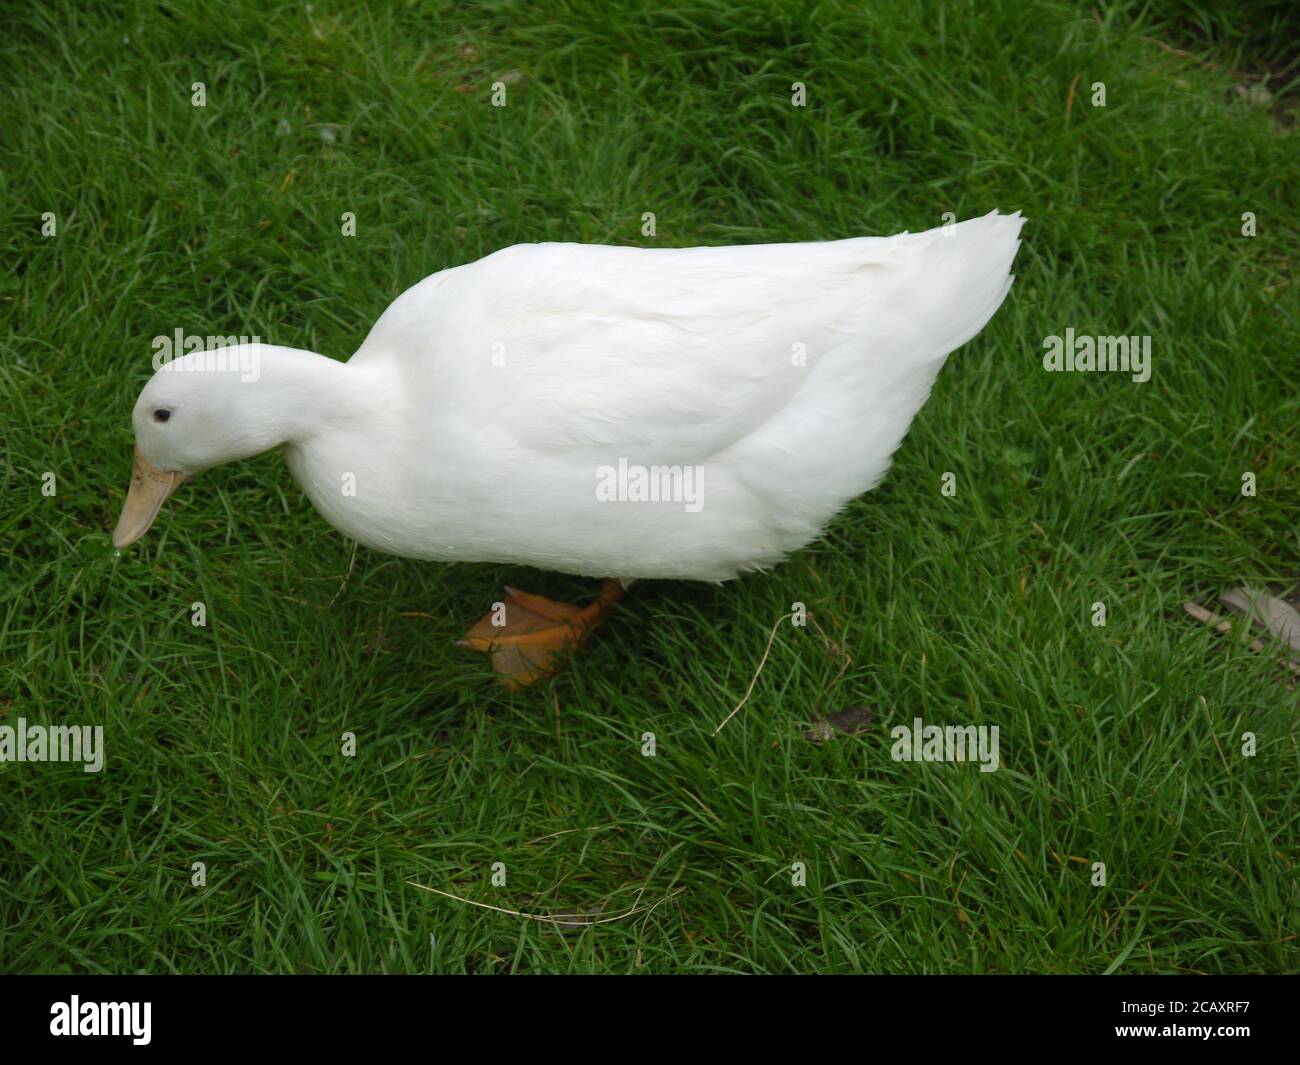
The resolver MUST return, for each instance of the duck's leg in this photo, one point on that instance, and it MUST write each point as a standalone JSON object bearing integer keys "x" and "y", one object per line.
{"x": 527, "y": 636}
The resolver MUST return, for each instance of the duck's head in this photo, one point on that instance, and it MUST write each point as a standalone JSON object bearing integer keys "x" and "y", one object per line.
{"x": 196, "y": 413}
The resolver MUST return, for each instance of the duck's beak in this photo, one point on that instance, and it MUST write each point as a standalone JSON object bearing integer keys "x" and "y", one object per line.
{"x": 149, "y": 489}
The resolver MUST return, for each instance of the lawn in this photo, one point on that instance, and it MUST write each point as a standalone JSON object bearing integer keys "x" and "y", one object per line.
{"x": 755, "y": 849}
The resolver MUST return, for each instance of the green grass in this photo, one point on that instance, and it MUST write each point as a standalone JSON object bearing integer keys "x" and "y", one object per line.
{"x": 1120, "y": 744}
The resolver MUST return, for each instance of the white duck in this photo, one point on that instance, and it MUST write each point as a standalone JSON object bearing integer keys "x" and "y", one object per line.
{"x": 516, "y": 408}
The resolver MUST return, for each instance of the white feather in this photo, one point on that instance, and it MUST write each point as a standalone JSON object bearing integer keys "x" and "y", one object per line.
{"x": 476, "y": 414}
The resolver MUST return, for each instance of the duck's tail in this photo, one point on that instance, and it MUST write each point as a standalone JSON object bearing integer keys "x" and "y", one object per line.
{"x": 919, "y": 296}
{"x": 964, "y": 271}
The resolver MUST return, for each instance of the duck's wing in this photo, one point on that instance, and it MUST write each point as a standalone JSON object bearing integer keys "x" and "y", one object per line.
{"x": 678, "y": 354}
{"x": 669, "y": 354}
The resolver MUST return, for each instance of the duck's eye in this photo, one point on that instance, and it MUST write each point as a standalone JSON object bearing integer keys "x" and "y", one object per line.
{"x": 161, "y": 414}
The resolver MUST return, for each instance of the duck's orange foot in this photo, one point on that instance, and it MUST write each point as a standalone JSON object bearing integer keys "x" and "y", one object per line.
{"x": 528, "y": 637}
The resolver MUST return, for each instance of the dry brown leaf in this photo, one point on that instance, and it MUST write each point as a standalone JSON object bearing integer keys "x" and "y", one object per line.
{"x": 1276, "y": 616}
{"x": 850, "y": 721}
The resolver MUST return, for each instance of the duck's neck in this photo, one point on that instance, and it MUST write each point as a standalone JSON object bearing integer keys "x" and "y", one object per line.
{"x": 294, "y": 394}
